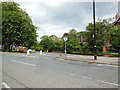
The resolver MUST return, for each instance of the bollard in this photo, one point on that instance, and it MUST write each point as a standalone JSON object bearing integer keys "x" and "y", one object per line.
{"x": 40, "y": 52}
{"x": 28, "y": 52}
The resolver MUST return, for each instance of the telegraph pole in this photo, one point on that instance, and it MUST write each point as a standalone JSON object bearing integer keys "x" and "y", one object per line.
{"x": 94, "y": 34}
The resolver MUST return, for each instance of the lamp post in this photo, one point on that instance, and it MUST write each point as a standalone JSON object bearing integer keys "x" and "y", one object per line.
{"x": 94, "y": 34}
{"x": 65, "y": 39}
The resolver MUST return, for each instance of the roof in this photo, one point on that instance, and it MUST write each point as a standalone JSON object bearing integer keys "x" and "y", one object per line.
{"x": 117, "y": 21}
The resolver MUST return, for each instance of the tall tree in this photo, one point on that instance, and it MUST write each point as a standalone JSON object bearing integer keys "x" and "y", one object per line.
{"x": 102, "y": 33}
{"x": 46, "y": 43}
{"x": 82, "y": 36}
{"x": 57, "y": 43}
{"x": 17, "y": 26}
{"x": 73, "y": 44}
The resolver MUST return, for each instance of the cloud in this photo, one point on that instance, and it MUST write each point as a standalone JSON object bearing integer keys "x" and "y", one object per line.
{"x": 106, "y": 9}
{"x": 59, "y": 17}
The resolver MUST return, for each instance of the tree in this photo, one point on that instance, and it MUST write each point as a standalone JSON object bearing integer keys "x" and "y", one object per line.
{"x": 37, "y": 47}
{"x": 102, "y": 32}
{"x": 17, "y": 27}
{"x": 82, "y": 36}
{"x": 73, "y": 44}
{"x": 57, "y": 43}
{"x": 114, "y": 38}
{"x": 46, "y": 43}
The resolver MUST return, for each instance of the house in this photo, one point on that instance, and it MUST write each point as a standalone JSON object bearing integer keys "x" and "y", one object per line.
{"x": 117, "y": 20}
{"x": 115, "y": 23}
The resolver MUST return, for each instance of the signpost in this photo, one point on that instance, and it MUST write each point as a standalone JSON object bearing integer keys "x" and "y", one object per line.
{"x": 65, "y": 39}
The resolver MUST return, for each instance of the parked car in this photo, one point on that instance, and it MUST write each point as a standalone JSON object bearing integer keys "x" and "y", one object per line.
{"x": 25, "y": 50}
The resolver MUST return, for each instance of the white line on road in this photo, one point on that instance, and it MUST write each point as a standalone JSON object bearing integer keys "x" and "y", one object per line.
{"x": 5, "y": 85}
{"x": 109, "y": 83}
{"x": 107, "y": 65}
{"x": 24, "y": 63}
{"x": 71, "y": 74}
{"x": 114, "y": 84}
{"x": 112, "y": 66}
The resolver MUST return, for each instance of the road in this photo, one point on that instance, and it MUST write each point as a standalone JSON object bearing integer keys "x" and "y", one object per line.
{"x": 46, "y": 71}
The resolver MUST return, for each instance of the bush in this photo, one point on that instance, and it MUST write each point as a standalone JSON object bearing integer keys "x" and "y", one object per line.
{"x": 107, "y": 53}
{"x": 76, "y": 52}
{"x": 115, "y": 55}
{"x": 37, "y": 48}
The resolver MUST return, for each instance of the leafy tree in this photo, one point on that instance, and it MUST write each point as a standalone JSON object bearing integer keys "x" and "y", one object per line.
{"x": 16, "y": 27}
{"x": 46, "y": 43}
{"x": 102, "y": 34}
{"x": 37, "y": 47}
{"x": 73, "y": 44}
{"x": 57, "y": 43}
{"x": 115, "y": 38}
{"x": 53, "y": 37}
{"x": 82, "y": 36}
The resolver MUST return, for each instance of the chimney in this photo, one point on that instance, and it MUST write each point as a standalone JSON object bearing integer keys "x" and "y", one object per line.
{"x": 117, "y": 16}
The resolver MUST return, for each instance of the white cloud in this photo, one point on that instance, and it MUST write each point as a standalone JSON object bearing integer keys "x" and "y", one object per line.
{"x": 58, "y": 17}
{"x": 32, "y": 1}
{"x": 49, "y": 29}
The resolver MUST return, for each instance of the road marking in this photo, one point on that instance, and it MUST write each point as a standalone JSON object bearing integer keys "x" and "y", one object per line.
{"x": 114, "y": 84}
{"x": 5, "y": 85}
{"x": 107, "y": 65}
{"x": 109, "y": 83}
{"x": 24, "y": 63}
{"x": 61, "y": 59}
{"x": 112, "y": 66}
{"x": 99, "y": 65}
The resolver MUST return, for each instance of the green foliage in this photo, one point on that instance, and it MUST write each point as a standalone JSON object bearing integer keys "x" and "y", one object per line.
{"x": 115, "y": 38}
{"x": 102, "y": 33}
{"x": 82, "y": 35}
{"x": 73, "y": 44}
{"x": 115, "y": 55}
{"x": 57, "y": 45}
{"x": 37, "y": 47}
{"x": 46, "y": 43}
{"x": 16, "y": 27}
{"x": 107, "y": 53}
{"x": 86, "y": 50}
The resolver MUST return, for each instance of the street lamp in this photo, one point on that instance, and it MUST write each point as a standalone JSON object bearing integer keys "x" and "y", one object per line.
{"x": 65, "y": 39}
{"x": 94, "y": 34}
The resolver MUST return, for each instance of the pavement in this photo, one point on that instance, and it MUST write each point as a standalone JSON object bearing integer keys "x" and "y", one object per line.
{"x": 90, "y": 59}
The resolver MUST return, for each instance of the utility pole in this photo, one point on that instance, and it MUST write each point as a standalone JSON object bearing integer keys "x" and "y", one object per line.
{"x": 94, "y": 34}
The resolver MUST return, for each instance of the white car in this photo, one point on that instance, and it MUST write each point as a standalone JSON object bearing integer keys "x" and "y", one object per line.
{"x": 29, "y": 50}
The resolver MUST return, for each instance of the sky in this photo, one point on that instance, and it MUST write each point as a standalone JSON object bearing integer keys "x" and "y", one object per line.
{"x": 57, "y": 18}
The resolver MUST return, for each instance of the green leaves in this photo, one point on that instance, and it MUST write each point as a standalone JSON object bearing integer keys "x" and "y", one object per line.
{"x": 101, "y": 33}
{"x": 114, "y": 38}
{"x": 46, "y": 42}
{"x": 17, "y": 25}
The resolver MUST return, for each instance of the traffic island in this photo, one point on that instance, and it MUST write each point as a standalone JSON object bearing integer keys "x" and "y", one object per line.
{"x": 89, "y": 60}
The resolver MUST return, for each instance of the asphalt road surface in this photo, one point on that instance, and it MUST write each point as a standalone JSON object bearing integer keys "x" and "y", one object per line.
{"x": 46, "y": 71}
